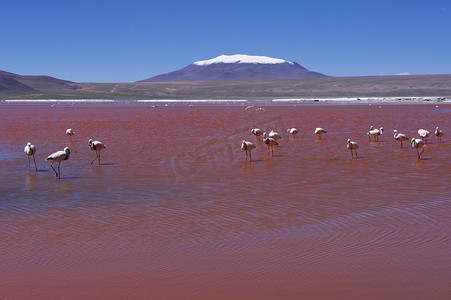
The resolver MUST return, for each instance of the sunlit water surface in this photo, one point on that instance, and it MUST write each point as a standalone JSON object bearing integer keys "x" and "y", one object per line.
{"x": 174, "y": 211}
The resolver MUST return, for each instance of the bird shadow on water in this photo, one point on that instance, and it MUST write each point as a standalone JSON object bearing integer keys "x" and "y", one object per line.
{"x": 107, "y": 164}
{"x": 254, "y": 160}
{"x": 278, "y": 155}
{"x": 42, "y": 171}
{"x": 68, "y": 177}
{"x": 355, "y": 158}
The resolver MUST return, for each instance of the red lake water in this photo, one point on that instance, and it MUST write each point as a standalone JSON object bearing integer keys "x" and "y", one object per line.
{"x": 175, "y": 211}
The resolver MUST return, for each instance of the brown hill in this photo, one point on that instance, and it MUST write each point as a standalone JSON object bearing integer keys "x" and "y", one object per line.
{"x": 13, "y": 84}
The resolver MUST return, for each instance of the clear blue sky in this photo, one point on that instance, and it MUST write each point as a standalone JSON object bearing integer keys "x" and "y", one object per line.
{"x": 124, "y": 41}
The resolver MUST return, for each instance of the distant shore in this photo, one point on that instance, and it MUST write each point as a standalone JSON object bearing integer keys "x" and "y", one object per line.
{"x": 366, "y": 88}
{"x": 242, "y": 102}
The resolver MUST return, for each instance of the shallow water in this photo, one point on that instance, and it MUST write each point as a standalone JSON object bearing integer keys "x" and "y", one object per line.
{"x": 174, "y": 211}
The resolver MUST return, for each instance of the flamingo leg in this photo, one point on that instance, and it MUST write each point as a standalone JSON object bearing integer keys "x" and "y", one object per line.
{"x": 36, "y": 167}
{"x": 51, "y": 166}
{"x": 95, "y": 158}
{"x": 28, "y": 162}
{"x": 419, "y": 155}
{"x": 250, "y": 156}
{"x": 59, "y": 172}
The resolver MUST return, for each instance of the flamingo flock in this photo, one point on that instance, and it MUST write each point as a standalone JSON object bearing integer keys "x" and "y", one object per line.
{"x": 62, "y": 155}
{"x": 271, "y": 139}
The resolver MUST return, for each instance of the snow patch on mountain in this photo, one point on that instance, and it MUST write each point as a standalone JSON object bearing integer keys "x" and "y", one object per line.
{"x": 242, "y": 59}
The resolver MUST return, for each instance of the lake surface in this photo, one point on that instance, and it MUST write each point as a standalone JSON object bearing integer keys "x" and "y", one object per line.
{"x": 175, "y": 211}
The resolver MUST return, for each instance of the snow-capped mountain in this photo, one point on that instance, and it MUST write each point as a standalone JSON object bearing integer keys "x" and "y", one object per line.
{"x": 242, "y": 59}
{"x": 237, "y": 67}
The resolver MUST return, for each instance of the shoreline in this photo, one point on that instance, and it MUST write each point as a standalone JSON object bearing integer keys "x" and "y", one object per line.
{"x": 241, "y": 102}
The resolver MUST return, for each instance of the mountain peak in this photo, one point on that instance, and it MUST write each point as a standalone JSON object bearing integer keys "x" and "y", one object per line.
{"x": 242, "y": 59}
{"x": 237, "y": 67}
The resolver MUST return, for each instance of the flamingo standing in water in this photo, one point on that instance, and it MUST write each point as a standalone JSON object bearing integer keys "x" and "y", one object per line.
{"x": 274, "y": 135}
{"x": 70, "y": 133}
{"x": 58, "y": 156}
{"x": 257, "y": 132}
{"x": 97, "y": 147}
{"x": 270, "y": 142}
{"x": 375, "y": 133}
{"x": 399, "y": 136}
{"x": 30, "y": 150}
{"x": 319, "y": 131}
{"x": 293, "y": 131}
{"x": 438, "y": 133}
{"x": 417, "y": 144}
{"x": 423, "y": 133}
{"x": 247, "y": 147}
{"x": 351, "y": 145}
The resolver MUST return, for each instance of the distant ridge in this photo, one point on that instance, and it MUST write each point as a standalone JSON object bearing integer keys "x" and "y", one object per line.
{"x": 14, "y": 84}
{"x": 237, "y": 67}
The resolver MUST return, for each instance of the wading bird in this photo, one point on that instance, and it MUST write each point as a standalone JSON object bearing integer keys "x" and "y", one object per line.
{"x": 375, "y": 133}
{"x": 270, "y": 142}
{"x": 70, "y": 133}
{"x": 319, "y": 131}
{"x": 292, "y": 131}
{"x": 423, "y": 133}
{"x": 438, "y": 133}
{"x": 257, "y": 132}
{"x": 352, "y": 146}
{"x": 273, "y": 135}
{"x": 399, "y": 136}
{"x": 97, "y": 147}
{"x": 417, "y": 144}
{"x": 247, "y": 147}
{"x": 30, "y": 150}
{"x": 58, "y": 156}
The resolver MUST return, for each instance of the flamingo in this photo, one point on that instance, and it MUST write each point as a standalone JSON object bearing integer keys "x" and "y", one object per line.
{"x": 352, "y": 146}
{"x": 319, "y": 131}
{"x": 423, "y": 133}
{"x": 399, "y": 137}
{"x": 293, "y": 131}
{"x": 273, "y": 135}
{"x": 58, "y": 156}
{"x": 247, "y": 147}
{"x": 375, "y": 133}
{"x": 70, "y": 133}
{"x": 418, "y": 143}
{"x": 30, "y": 150}
{"x": 270, "y": 142}
{"x": 438, "y": 133}
{"x": 257, "y": 132}
{"x": 97, "y": 147}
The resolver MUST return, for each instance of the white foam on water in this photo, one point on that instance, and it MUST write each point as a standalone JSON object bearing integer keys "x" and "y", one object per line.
{"x": 59, "y": 100}
{"x": 191, "y": 101}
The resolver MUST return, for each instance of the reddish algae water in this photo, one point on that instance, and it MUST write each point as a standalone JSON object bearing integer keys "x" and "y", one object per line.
{"x": 175, "y": 211}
